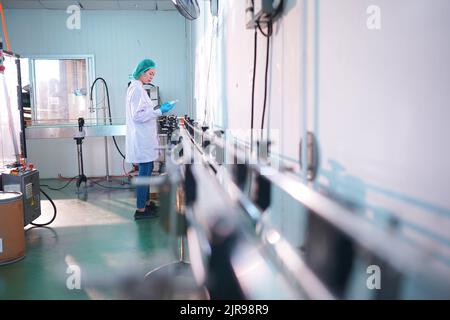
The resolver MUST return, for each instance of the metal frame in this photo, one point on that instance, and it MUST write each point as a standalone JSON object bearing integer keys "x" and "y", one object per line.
{"x": 412, "y": 261}
{"x": 20, "y": 102}
{"x": 22, "y": 142}
{"x": 294, "y": 267}
{"x": 289, "y": 275}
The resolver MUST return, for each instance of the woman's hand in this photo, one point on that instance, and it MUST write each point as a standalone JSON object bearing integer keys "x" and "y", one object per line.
{"x": 167, "y": 106}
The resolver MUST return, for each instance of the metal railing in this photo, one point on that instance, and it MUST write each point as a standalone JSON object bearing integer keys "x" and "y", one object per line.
{"x": 406, "y": 259}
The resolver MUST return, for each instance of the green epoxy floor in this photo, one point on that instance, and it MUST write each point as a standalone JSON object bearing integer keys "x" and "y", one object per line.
{"x": 98, "y": 235}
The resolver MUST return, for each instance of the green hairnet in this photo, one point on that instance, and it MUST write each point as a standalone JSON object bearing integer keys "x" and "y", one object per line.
{"x": 143, "y": 66}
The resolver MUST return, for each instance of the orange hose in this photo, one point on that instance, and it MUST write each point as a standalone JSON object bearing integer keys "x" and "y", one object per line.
{"x": 5, "y": 32}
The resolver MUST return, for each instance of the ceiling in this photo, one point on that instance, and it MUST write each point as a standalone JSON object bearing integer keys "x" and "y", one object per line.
{"x": 90, "y": 4}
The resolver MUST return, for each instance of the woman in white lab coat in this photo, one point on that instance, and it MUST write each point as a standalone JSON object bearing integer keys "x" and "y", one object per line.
{"x": 142, "y": 135}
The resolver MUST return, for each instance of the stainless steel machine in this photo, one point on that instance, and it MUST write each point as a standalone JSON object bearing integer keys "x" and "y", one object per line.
{"x": 26, "y": 182}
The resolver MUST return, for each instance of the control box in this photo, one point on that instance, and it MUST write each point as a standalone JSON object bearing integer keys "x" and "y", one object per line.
{"x": 26, "y": 182}
{"x": 261, "y": 12}
{"x": 153, "y": 93}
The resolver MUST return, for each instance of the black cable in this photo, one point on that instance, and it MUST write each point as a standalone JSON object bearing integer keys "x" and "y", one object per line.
{"x": 109, "y": 108}
{"x": 269, "y": 31}
{"x": 55, "y": 211}
{"x": 117, "y": 147}
{"x": 255, "y": 54}
{"x": 57, "y": 189}
{"x": 108, "y": 187}
{"x": 90, "y": 179}
{"x": 269, "y": 34}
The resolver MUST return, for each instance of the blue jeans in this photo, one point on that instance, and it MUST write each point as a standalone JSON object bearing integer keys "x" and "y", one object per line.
{"x": 143, "y": 192}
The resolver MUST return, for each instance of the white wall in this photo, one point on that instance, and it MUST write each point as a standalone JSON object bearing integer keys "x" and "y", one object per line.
{"x": 381, "y": 113}
{"x": 382, "y": 107}
{"x": 118, "y": 40}
{"x": 376, "y": 100}
{"x": 228, "y": 100}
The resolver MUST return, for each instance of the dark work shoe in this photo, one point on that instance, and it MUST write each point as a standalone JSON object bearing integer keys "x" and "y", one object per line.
{"x": 152, "y": 208}
{"x": 144, "y": 215}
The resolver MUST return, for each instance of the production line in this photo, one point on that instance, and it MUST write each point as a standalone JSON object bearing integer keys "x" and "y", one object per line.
{"x": 215, "y": 150}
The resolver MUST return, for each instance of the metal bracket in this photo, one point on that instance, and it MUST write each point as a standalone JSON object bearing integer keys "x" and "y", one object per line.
{"x": 312, "y": 157}
{"x": 262, "y": 12}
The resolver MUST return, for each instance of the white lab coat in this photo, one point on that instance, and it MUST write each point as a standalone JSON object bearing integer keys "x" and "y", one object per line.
{"x": 142, "y": 134}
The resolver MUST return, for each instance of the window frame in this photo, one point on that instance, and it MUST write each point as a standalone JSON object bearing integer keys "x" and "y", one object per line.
{"x": 90, "y": 73}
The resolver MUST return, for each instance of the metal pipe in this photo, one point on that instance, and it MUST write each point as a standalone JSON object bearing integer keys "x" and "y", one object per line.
{"x": 106, "y": 146}
{"x": 107, "y": 160}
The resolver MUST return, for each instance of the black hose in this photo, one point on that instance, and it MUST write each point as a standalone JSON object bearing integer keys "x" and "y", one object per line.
{"x": 117, "y": 147}
{"x": 269, "y": 34}
{"x": 55, "y": 211}
{"x": 111, "y": 187}
{"x": 57, "y": 189}
{"x": 255, "y": 55}
{"x": 109, "y": 109}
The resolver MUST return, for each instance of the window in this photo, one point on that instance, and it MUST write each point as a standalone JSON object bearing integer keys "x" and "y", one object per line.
{"x": 60, "y": 89}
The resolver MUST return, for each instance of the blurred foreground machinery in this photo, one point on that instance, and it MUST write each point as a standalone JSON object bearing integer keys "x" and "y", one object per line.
{"x": 215, "y": 202}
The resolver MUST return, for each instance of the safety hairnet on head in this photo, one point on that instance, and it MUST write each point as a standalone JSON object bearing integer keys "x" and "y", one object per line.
{"x": 143, "y": 66}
